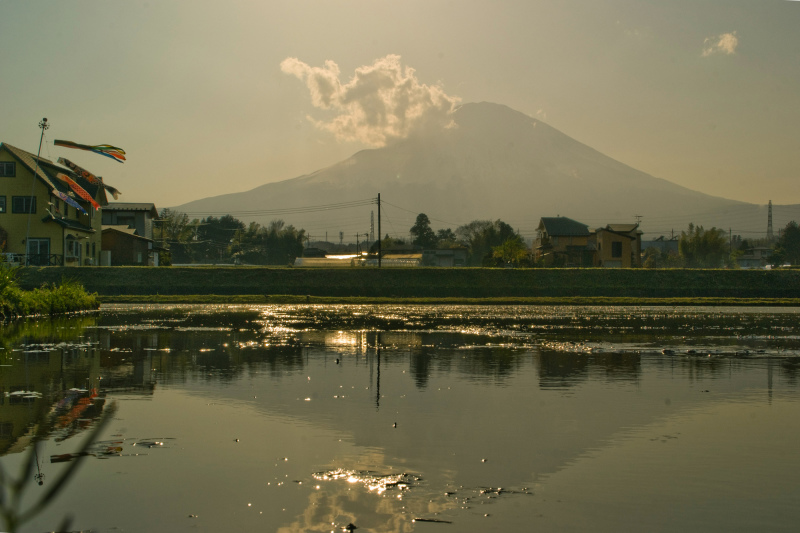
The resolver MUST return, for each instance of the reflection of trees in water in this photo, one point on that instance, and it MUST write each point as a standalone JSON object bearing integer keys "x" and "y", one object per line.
{"x": 559, "y": 369}
{"x": 565, "y": 369}
{"x": 479, "y": 363}
{"x": 420, "y": 365}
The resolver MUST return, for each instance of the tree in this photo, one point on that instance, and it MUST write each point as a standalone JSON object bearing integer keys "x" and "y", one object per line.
{"x": 275, "y": 244}
{"x": 422, "y": 234}
{"x": 446, "y": 239}
{"x": 702, "y": 248}
{"x": 172, "y": 226}
{"x": 512, "y": 250}
{"x": 787, "y": 249}
{"x": 481, "y": 236}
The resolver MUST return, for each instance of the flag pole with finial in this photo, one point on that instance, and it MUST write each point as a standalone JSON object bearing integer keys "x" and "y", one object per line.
{"x": 43, "y": 125}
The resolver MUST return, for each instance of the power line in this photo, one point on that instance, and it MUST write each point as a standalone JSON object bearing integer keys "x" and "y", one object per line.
{"x": 289, "y": 210}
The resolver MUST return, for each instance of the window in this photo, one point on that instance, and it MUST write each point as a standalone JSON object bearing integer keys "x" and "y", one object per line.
{"x": 616, "y": 249}
{"x": 23, "y": 204}
{"x": 38, "y": 252}
{"x": 2, "y": 204}
{"x": 8, "y": 169}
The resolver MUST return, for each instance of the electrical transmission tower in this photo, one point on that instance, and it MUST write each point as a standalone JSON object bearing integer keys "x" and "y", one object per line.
{"x": 372, "y": 226}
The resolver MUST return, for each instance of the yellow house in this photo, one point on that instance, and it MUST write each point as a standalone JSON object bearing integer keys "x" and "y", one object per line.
{"x": 36, "y": 226}
{"x": 561, "y": 241}
{"x": 618, "y": 246}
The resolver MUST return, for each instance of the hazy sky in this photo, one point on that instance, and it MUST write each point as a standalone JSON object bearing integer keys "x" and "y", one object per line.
{"x": 209, "y": 97}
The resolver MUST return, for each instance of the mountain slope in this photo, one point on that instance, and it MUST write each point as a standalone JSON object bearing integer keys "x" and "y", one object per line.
{"x": 494, "y": 163}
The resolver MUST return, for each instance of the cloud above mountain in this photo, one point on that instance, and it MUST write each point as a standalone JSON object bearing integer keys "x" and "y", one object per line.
{"x": 382, "y": 102}
{"x": 721, "y": 44}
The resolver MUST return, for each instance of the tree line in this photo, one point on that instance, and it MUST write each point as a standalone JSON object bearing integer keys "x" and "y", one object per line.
{"x": 488, "y": 243}
{"x": 226, "y": 239}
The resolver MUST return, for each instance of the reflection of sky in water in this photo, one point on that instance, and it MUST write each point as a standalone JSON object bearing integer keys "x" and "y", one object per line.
{"x": 311, "y": 418}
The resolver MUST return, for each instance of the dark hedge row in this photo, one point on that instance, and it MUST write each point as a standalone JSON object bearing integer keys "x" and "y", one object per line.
{"x": 424, "y": 282}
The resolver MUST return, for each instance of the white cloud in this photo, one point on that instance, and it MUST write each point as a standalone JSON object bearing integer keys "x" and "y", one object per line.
{"x": 381, "y": 102}
{"x": 722, "y": 44}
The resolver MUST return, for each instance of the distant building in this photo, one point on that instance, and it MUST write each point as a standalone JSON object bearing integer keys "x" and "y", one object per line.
{"x": 122, "y": 246}
{"x": 138, "y": 216}
{"x": 561, "y": 241}
{"x": 757, "y": 257}
{"x": 565, "y": 242}
{"x": 450, "y": 257}
{"x": 662, "y": 244}
{"x": 618, "y": 246}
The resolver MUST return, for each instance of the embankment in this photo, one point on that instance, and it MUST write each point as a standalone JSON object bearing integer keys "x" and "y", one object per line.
{"x": 424, "y": 282}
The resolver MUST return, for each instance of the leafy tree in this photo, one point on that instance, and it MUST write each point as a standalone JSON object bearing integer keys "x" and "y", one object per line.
{"x": 172, "y": 226}
{"x": 700, "y": 248}
{"x": 422, "y": 234}
{"x": 655, "y": 258}
{"x": 512, "y": 250}
{"x": 275, "y": 244}
{"x": 481, "y": 236}
{"x": 787, "y": 249}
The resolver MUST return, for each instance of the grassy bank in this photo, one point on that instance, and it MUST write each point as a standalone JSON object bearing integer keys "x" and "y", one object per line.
{"x": 244, "y": 299}
{"x": 50, "y": 298}
{"x": 263, "y": 284}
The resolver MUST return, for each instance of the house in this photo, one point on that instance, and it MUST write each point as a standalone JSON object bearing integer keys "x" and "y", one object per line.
{"x": 618, "y": 246}
{"x": 561, "y": 241}
{"x": 663, "y": 244}
{"x": 756, "y": 257}
{"x": 138, "y": 216}
{"x": 38, "y": 227}
{"x": 122, "y": 245}
{"x": 451, "y": 257}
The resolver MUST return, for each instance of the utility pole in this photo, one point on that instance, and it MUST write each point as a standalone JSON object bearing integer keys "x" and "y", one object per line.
{"x": 380, "y": 235}
{"x": 770, "y": 236}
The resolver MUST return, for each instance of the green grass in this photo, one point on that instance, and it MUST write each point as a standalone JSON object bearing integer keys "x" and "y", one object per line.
{"x": 365, "y": 300}
{"x": 50, "y": 298}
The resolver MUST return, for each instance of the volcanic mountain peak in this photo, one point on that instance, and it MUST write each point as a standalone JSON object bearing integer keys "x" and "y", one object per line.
{"x": 492, "y": 162}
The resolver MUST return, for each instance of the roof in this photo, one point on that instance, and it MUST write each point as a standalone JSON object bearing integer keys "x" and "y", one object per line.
{"x": 69, "y": 224}
{"x": 132, "y": 206}
{"x": 120, "y": 227}
{"x": 622, "y": 228}
{"x": 46, "y": 171}
{"x": 563, "y": 226}
{"x": 125, "y": 231}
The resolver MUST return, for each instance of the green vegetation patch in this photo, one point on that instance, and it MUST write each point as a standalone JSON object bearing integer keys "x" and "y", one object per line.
{"x": 50, "y": 298}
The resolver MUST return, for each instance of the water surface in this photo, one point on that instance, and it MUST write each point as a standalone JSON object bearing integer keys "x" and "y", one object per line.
{"x": 413, "y": 418}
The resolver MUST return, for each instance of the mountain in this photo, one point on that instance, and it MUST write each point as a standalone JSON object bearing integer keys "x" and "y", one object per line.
{"x": 493, "y": 163}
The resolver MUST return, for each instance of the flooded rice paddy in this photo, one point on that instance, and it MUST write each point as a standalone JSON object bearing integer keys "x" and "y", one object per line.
{"x": 410, "y": 418}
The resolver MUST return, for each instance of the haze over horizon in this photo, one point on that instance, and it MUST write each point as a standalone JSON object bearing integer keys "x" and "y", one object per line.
{"x": 209, "y": 98}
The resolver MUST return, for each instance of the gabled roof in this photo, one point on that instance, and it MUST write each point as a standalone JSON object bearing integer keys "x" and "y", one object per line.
{"x": 133, "y": 206}
{"x": 120, "y": 227}
{"x": 46, "y": 171}
{"x": 563, "y": 226}
{"x": 125, "y": 230}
